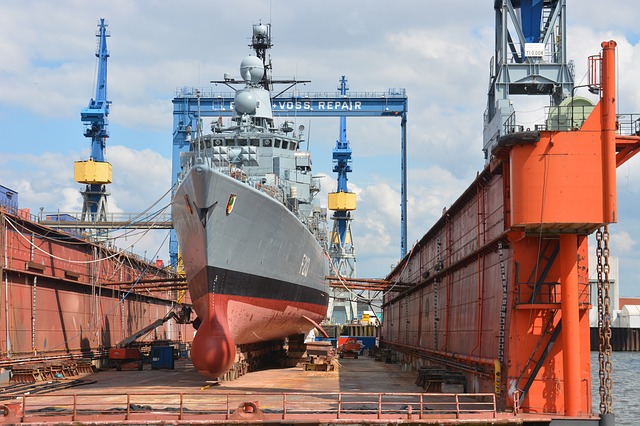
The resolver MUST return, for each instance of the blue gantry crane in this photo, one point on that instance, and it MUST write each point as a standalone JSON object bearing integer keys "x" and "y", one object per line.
{"x": 191, "y": 103}
{"x": 342, "y": 203}
{"x": 95, "y": 172}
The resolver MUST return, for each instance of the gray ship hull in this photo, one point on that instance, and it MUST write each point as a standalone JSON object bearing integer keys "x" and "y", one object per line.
{"x": 255, "y": 272}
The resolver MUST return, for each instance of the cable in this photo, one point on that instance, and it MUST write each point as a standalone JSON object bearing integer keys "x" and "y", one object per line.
{"x": 120, "y": 301}
{"x": 360, "y": 297}
{"x": 118, "y": 253}
{"x": 140, "y": 217}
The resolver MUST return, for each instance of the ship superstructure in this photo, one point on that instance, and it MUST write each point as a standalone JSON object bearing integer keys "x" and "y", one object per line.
{"x": 251, "y": 234}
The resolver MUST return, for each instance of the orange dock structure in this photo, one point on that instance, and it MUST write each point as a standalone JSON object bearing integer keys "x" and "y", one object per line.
{"x": 499, "y": 286}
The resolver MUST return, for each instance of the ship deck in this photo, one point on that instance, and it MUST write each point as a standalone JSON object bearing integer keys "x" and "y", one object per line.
{"x": 361, "y": 390}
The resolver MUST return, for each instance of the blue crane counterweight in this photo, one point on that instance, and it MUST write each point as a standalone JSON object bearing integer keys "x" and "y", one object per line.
{"x": 95, "y": 173}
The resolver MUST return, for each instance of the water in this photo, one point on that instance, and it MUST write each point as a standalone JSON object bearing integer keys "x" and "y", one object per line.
{"x": 626, "y": 384}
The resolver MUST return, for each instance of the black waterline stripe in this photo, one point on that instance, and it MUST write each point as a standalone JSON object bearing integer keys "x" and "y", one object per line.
{"x": 234, "y": 283}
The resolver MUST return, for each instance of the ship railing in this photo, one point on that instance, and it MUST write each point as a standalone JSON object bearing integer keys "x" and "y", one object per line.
{"x": 628, "y": 124}
{"x": 391, "y": 93}
{"x": 14, "y": 210}
{"x": 571, "y": 118}
{"x": 8, "y": 208}
{"x": 509, "y": 126}
{"x": 249, "y": 406}
{"x": 565, "y": 118}
{"x": 272, "y": 191}
{"x": 256, "y": 181}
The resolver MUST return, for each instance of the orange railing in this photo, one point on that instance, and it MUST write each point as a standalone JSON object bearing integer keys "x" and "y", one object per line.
{"x": 248, "y": 406}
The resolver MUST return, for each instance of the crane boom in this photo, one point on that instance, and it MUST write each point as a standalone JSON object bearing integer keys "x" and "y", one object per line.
{"x": 95, "y": 115}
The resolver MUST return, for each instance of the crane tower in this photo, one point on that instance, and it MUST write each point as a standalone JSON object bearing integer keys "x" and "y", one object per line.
{"x": 530, "y": 59}
{"x": 342, "y": 202}
{"x": 95, "y": 172}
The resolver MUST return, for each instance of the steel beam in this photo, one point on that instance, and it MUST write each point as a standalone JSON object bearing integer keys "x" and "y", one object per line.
{"x": 363, "y": 104}
{"x": 106, "y": 225}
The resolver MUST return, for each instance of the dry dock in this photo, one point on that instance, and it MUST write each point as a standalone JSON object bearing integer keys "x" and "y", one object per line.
{"x": 362, "y": 391}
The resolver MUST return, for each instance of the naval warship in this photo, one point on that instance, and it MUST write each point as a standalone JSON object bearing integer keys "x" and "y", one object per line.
{"x": 251, "y": 232}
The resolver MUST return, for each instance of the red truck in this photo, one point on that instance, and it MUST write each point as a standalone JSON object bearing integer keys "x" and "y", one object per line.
{"x": 350, "y": 348}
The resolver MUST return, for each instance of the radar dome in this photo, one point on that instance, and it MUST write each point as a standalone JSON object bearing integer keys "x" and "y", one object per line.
{"x": 252, "y": 69}
{"x": 260, "y": 30}
{"x": 245, "y": 102}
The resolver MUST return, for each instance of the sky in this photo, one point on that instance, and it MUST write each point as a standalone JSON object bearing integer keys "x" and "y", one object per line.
{"x": 438, "y": 51}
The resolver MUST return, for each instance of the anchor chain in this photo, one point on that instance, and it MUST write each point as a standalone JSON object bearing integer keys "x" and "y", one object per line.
{"x": 604, "y": 320}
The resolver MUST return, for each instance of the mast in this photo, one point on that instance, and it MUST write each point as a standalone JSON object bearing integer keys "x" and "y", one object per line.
{"x": 261, "y": 43}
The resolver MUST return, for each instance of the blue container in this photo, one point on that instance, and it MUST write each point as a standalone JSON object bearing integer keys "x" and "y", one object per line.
{"x": 9, "y": 199}
{"x": 367, "y": 341}
{"x": 162, "y": 357}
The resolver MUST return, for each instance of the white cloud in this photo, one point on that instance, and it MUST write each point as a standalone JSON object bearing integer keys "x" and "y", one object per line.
{"x": 40, "y": 180}
{"x": 140, "y": 177}
{"x": 622, "y": 243}
{"x": 46, "y": 180}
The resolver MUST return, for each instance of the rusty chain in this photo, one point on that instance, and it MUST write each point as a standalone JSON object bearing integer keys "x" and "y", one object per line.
{"x": 604, "y": 319}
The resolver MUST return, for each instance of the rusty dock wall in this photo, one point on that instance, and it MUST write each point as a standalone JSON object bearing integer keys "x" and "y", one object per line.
{"x": 62, "y": 296}
{"x": 455, "y": 311}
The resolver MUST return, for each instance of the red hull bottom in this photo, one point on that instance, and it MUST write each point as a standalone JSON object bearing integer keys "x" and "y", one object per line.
{"x": 236, "y": 320}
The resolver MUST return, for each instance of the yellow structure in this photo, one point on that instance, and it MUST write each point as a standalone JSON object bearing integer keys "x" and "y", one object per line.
{"x": 342, "y": 201}
{"x": 335, "y": 238}
{"x": 92, "y": 172}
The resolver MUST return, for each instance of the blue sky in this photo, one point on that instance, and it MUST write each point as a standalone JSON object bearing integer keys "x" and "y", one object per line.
{"x": 438, "y": 51}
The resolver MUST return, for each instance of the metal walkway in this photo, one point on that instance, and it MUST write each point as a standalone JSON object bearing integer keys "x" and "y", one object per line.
{"x": 73, "y": 220}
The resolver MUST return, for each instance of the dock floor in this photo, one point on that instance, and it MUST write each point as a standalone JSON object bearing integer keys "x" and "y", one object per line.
{"x": 362, "y": 391}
